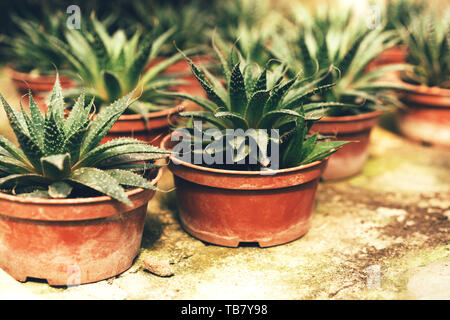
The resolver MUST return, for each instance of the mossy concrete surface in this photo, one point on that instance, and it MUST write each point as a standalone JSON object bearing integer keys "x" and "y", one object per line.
{"x": 383, "y": 234}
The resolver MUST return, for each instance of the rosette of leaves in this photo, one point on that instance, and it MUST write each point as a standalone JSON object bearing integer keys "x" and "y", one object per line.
{"x": 427, "y": 38}
{"x": 345, "y": 43}
{"x": 60, "y": 155}
{"x": 258, "y": 98}
{"x": 109, "y": 66}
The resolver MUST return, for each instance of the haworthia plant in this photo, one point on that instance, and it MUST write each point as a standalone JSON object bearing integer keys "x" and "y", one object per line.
{"x": 253, "y": 23}
{"x": 427, "y": 38}
{"x": 30, "y": 49}
{"x": 342, "y": 40}
{"x": 399, "y": 13}
{"x": 109, "y": 66}
{"x": 192, "y": 21}
{"x": 257, "y": 98}
{"x": 60, "y": 155}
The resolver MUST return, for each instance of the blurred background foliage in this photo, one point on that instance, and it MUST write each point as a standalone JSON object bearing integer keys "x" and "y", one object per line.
{"x": 194, "y": 19}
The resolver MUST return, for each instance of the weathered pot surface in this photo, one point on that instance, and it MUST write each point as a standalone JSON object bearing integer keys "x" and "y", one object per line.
{"x": 71, "y": 241}
{"x": 427, "y": 116}
{"x": 351, "y": 158}
{"x": 133, "y": 125}
{"x": 227, "y": 207}
{"x": 41, "y": 83}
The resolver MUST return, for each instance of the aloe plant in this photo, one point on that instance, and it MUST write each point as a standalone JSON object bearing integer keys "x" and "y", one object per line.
{"x": 341, "y": 40}
{"x": 260, "y": 98}
{"x": 427, "y": 38}
{"x": 60, "y": 155}
{"x": 109, "y": 66}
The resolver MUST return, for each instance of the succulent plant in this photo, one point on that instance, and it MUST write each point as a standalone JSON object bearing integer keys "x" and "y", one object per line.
{"x": 398, "y": 13}
{"x": 60, "y": 155}
{"x": 344, "y": 42}
{"x": 30, "y": 49}
{"x": 258, "y": 98}
{"x": 427, "y": 38}
{"x": 249, "y": 25}
{"x": 112, "y": 65}
{"x": 191, "y": 20}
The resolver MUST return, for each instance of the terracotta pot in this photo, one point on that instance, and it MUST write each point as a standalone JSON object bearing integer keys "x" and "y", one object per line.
{"x": 393, "y": 55}
{"x": 133, "y": 125}
{"x": 351, "y": 158}
{"x": 226, "y": 207}
{"x": 183, "y": 69}
{"x": 71, "y": 241}
{"x": 37, "y": 84}
{"x": 427, "y": 116}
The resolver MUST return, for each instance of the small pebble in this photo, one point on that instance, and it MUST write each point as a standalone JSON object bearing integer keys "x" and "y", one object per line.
{"x": 159, "y": 267}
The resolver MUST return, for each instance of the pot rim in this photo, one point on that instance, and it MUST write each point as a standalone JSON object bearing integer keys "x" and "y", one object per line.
{"x": 203, "y": 56}
{"x": 426, "y": 90}
{"x": 237, "y": 172}
{"x": 76, "y": 201}
{"x": 19, "y": 74}
{"x": 358, "y": 117}
{"x": 156, "y": 114}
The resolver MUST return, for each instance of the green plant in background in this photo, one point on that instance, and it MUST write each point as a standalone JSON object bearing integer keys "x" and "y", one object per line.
{"x": 109, "y": 66}
{"x": 341, "y": 40}
{"x": 258, "y": 98}
{"x": 250, "y": 25}
{"x": 60, "y": 155}
{"x": 30, "y": 49}
{"x": 398, "y": 13}
{"x": 192, "y": 22}
{"x": 427, "y": 39}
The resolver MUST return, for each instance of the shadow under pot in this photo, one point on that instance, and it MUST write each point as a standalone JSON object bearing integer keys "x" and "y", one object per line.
{"x": 426, "y": 118}
{"x": 134, "y": 126}
{"x": 37, "y": 83}
{"x": 229, "y": 208}
{"x": 351, "y": 158}
{"x": 71, "y": 241}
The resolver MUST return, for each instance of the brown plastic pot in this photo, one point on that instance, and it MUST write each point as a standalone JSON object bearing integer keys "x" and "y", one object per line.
{"x": 227, "y": 208}
{"x": 351, "y": 158}
{"x": 37, "y": 84}
{"x": 393, "y": 55}
{"x": 133, "y": 125}
{"x": 71, "y": 241}
{"x": 427, "y": 116}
